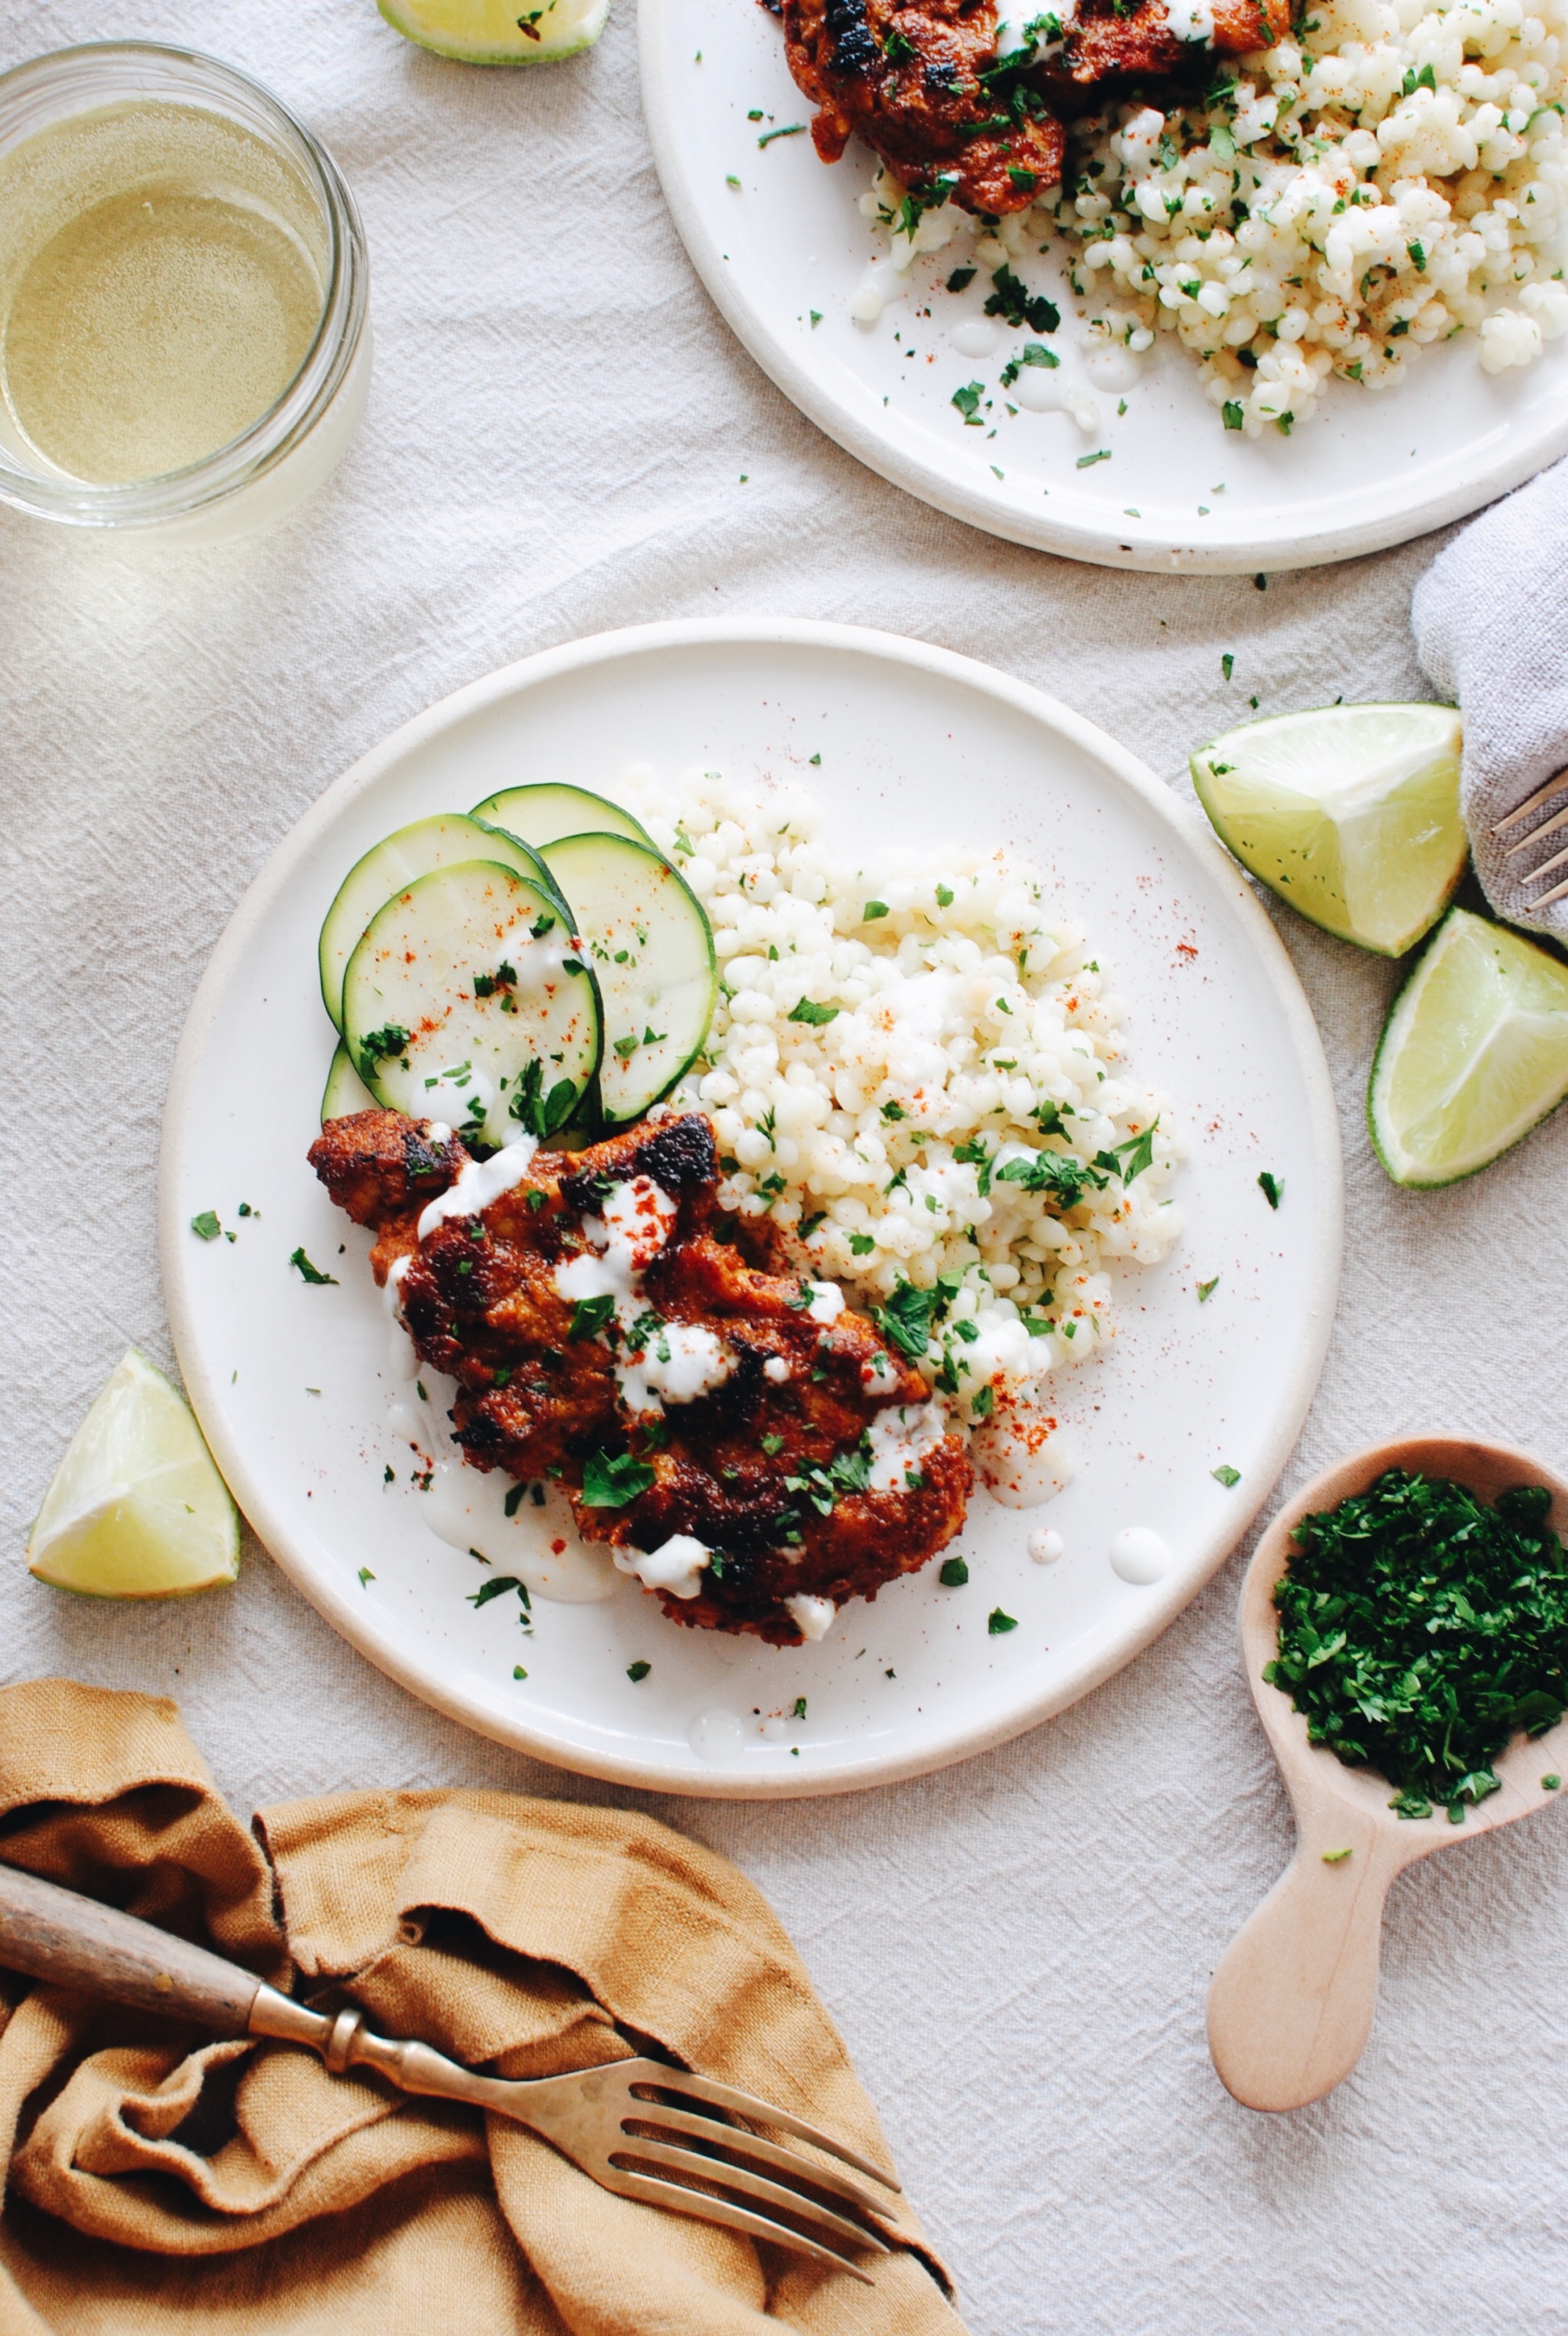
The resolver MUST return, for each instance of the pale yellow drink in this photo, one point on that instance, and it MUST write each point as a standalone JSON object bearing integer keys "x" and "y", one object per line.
{"x": 162, "y": 280}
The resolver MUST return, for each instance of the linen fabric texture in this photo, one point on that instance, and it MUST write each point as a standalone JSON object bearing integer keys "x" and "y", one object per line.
{"x": 1490, "y": 618}
{"x": 163, "y": 2181}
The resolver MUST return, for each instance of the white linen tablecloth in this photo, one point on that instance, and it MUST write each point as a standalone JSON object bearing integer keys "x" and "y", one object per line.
{"x": 1018, "y": 1949}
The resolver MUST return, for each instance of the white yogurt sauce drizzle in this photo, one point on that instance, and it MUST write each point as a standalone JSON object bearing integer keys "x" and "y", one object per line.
{"x": 678, "y": 1567}
{"x": 681, "y": 1360}
{"x": 480, "y": 1182}
{"x": 1192, "y": 20}
{"x": 812, "y": 1617}
{"x": 899, "y": 1435}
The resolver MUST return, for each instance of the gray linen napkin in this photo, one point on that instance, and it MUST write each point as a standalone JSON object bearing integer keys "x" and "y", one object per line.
{"x": 1490, "y": 618}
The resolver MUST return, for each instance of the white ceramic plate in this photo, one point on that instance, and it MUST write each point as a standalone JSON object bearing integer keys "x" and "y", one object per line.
{"x": 1179, "y": 491}
{"x": 292, "y": 1383}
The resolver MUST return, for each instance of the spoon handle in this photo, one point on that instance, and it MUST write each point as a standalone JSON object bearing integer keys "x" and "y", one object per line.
{"x": 1291, "y": 2002}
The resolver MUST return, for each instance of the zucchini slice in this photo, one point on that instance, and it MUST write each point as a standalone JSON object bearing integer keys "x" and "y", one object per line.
{"x": 470, "y": 1001}
{"x": 652, "y": 950}
{"x": 543, "y": 814}
{"x": 392, "y": 863}
{"x": 345, "y": 1090}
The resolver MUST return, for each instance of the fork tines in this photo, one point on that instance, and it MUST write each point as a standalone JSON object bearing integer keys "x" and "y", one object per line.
{"x": 679, "y": 2125}
{"x": 1555, "y": 786}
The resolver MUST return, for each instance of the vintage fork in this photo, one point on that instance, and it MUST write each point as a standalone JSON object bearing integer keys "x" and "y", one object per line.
{"x": 1558, "y": 785}
{"x": 639, "y": 2128}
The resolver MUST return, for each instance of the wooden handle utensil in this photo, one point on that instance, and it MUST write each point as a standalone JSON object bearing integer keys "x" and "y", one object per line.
{"x": 1290, "y": 2005}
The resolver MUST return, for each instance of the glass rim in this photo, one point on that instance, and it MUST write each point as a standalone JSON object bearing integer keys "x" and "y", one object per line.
{"x": 323, "y": 370}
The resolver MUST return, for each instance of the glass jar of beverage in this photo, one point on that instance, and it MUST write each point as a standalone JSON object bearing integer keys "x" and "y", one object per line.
{"x": 184, "y": 326}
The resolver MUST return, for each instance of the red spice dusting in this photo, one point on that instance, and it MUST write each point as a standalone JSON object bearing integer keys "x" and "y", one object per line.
{"x": 558, "y": 1547}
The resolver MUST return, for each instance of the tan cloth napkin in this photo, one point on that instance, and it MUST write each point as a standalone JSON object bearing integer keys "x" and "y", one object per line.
{"x": 163, "y": 2183}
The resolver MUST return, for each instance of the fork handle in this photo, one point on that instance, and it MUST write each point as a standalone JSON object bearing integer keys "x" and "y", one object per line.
{"x": 58, "y": 1936}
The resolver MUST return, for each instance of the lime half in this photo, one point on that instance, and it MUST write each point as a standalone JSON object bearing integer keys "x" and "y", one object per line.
{"x": 499, "y": 31}
{"x": 1350, "y": 812}
{"x": 137, "y": 1509}
{"x": 1474, "y": 1054}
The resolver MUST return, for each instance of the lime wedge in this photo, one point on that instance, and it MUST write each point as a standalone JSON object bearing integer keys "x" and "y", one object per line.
{"x": 1350, "y": 812}
{"x": 499, "y": 31}
{"x": 137, "y": 1509}
{"x": 1474, "y": 1054}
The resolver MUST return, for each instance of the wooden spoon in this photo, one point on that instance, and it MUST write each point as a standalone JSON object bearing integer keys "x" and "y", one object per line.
{"x": 1291, "y": 2002}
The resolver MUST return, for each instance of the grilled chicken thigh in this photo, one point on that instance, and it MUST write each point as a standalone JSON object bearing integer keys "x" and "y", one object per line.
{"x": 751, "y": 1448}
{"x": 922, "y": 84}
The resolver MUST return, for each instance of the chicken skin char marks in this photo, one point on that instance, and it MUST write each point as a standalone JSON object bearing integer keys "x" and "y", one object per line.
{"x": 921, "y": 81}
{"x": 540, "y": 1393}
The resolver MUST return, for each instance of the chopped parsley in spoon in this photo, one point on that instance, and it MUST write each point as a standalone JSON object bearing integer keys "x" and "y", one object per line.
{"x": 1420, "y": 1629}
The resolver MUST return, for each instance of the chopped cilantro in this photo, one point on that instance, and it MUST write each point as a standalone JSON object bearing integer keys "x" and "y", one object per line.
{"x": 968, "y": 399}
{"x": 1227, "y": 664}
{"x": 1551, "y": 1783}
{"x": 638, "y": 1670}
{"x": 906, "y": 1320}
{"x": 1014, "y": 302}
{"x": 1271, "y": 1187}
{"x": 390, "y": 1039}
{"x": 961, "y": 278}
{"x": 497, "y": 1587}
{"x": 513, "y": 1500}
{"x": 309, "y": 1272}
{"x": 1033, "y": 353}
{"x": 539, "y": 1114}
{"x": 799, "y": 1711}
{"x": 954, "y": 1573}
{"x": 1225, "y": 1475}
{"x": 366, "y": 1577}
{"x": 1087, "y": 462}
{"x": 1420, "y": 1627}
{"x": 1059, "y": 1174}
{"x": 626, "y": 1047}
{"x": 819, "y": 1017}
{"x": 589, "y": 1316}
{"x": 873, "y": 911}
{"x": 773, "y": 1446}
{"x": 982, "y": 1402}
{"x": 1206, "y": 1289}
{"x": 518, "y": 1672}
{"x": 205, "y": 1226}
{"x": 997, "y": 1622}
{"x": 973, "y": 1155}
{"x": 1234, "y": 416}
{"x": 1140, "y": 1152}
{"x": 944, "y": 896}
{"x": 610, "y": 1480}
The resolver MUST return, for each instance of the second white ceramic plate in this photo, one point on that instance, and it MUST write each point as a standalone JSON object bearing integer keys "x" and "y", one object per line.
{"x": 777, "y": 239}
{"x": 294, "y": 1386}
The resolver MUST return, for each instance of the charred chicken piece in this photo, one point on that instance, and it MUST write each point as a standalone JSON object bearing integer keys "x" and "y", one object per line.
{"x": 605, "y": 1328}
{"x": 917, "y": 82}
{"x": 921, "y": 82}
{"x": 1104, "y": 46}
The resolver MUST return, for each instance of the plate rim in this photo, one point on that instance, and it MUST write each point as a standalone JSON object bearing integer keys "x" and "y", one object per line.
{"x": 355, "y": 1623}
{"x": 1512, "y": 466}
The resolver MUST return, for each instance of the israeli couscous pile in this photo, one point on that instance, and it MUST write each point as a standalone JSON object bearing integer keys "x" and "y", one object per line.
{"x": 1391, "y": 175}
{"x": 915, "y": 1070}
